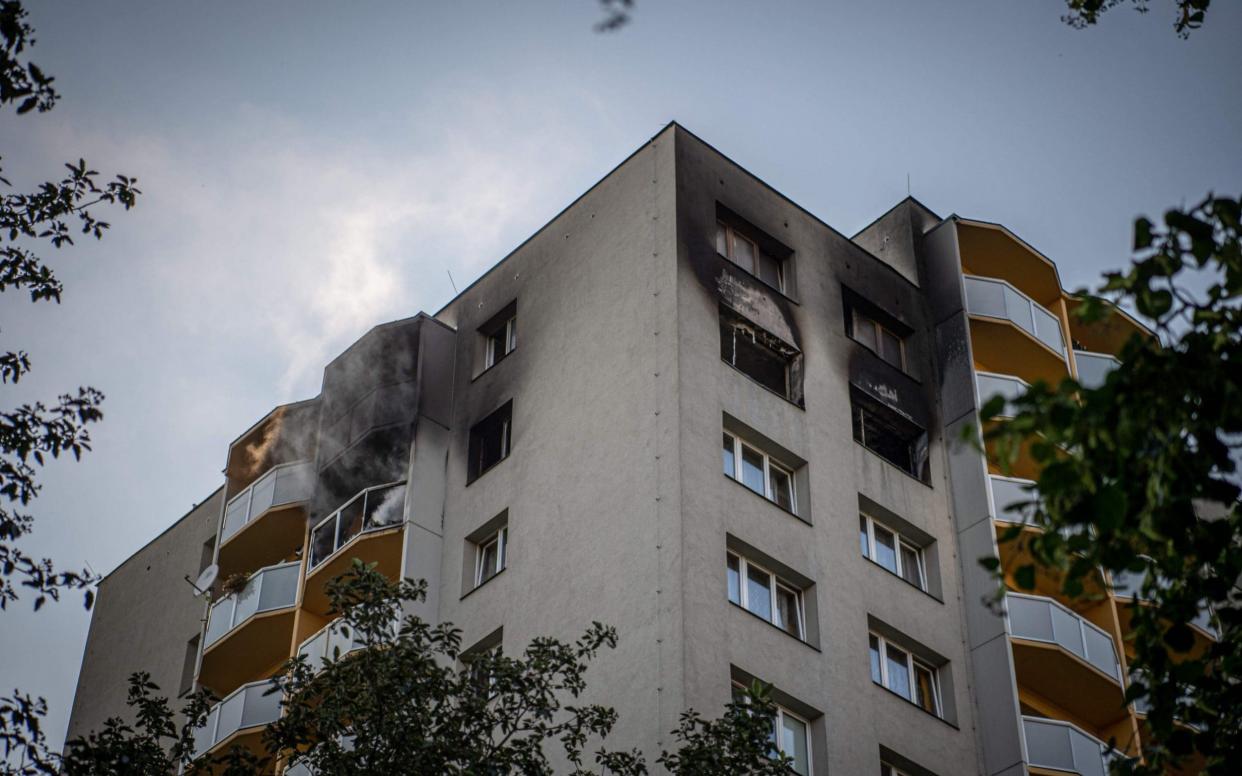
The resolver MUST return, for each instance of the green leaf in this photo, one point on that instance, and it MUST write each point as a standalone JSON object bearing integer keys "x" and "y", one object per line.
{"x": 1024, "y": 576}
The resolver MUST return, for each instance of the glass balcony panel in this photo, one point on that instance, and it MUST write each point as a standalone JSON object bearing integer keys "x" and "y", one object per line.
{"x": 385, "y": 507}
{"x": 299, "y": 769}
{"x": 261, "y": 707}
{"x": 1018, "y": 309}
{"x": 220, "y": 620}
{"x": 205, "y": 736}
{"x": 262, "y": 493}
{"x": 1062, "y": 746}
{"x": 231, "y": 709}
{"x": 1006, "y": 492}
{"x": 248, "y": 600}
{"x": 1067, "y": 629}
{"x": 280, "y": 587}
{"x": 1008, "y": 387}
{"x": 313, "y": 650}
{"x": 350, "y": 520}
{"x": 1048, "y": 329}
{"x": 323, "y": 541}
{"x": 1100, "y": 652}
{"x": 340, "y": 641}
{"x": 1030, "y": 618}
{"x": 1093, "y": 367}
{"x": 985, "y": 297}
{"x": 235, "y": 515}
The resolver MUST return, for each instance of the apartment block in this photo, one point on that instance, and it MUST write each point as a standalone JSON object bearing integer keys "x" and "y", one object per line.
{"x": 690, "y": 409}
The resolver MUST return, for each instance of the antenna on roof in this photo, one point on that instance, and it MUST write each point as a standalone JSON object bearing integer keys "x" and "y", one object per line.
{"x": 450, "y": 274}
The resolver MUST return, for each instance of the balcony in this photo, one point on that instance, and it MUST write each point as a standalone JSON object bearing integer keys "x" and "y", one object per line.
{"x": 1093, "y": 367}
{"x": 264, "y": 523}
{"x": 1063, "y": 747}
{"x": 238, "y": 718}
{"x": 1011, "y": 333}
{"x": 249, "y": 632}
{"x": 1060, "y": 656}
{"x": 1010, "y": 491}
{"x": 367, "y": 527}
{"x": 331, "y": 643}
{"x": 1129, "y": 586}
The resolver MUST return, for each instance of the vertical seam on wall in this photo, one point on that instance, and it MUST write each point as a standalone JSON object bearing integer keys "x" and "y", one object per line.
{"x": 654, "y": 324}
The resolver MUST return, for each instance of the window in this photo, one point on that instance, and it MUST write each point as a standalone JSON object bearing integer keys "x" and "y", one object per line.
{"x": 760, "y": 592}
{"x": 904, "y": 674}
{"x": 479, "y": 665}
{"x": 188, "y": 664}
{"x": 489, "y": 441}
{"x": 887, "y": 548}
{"x": 790, "y": 734}
{"x": 500, "y": 342}
{"x": 499, "y": 335}
{"x": 888, "y": 770}
{"x": 889, "y": 435}
{"x": 882, "y": 340}
{"x": 207, "y": 555}
{"x": 747, "y": 254}
{"x": 759, "y": 355}
{"x": 490, "y": 556}
{"x": 759, "y": 472}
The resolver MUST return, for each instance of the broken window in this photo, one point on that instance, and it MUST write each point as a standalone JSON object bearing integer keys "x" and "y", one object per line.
{"x": 761, "y": 356}
{"x": 489, "y": 441}
{"x": 889, "y": 435}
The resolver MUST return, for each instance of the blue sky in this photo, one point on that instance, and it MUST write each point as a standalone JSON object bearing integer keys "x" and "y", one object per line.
{"x": 313, "y": 168}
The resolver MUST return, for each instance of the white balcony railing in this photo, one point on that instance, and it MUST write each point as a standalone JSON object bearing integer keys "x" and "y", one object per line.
{"x": 997, "y": 299}
{"x": 285, "y": 484}
{"x": 990, "y": 384}
{"x": 299, "y": 769}
{"x": 1093, "y": 367}
{"x": 273, "y": 587}
{"x": 332, "y": 642}
{"x": 1004, "y": 492}
{"x": 1042, "y": 619}
{"x": 1059, "y": 745}
{"x": 249, "y": 706}
{"x": 371, "y": 510}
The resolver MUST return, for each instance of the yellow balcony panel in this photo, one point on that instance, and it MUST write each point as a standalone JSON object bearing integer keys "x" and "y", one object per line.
{"x": 379, "y": 546}
{"x": 1107, "y": 336}
{"x": 1065, "y": 659}
{"x": 992, "y": 250}
{"x": 267, "y": 519}
{"x": 237, "y": 720}
{"x": 1002, "y": 347}
{"x": 250, "y": 632}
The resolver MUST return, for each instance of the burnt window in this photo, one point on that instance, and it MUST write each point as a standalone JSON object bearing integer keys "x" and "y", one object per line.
{"x": 889, "y": 435}
{"x": 499, "y": 335}
{"x": 761, "y": 356}
{"x": 489, "y": 441}
{"x": 876, "y": 330}
{"x": 748, "y": 254}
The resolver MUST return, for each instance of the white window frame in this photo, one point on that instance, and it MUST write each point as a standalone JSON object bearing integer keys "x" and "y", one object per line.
{"x": 510, "y": 342}
{"x": 501, "y": 539}
{"x": 768, "y": 464}
{"x": 731, "y": 235}
{"x": 743, "y": 569}
{"x": 777, "y": 728}
{"x": 862, "y": 319}
{"x": 911, "y": 662}
{"x": 893, "y": 770}
{"x": 900, "y": 542}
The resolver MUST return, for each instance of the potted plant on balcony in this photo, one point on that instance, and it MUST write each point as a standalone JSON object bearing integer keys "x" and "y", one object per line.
{"x": 234, "y": 584}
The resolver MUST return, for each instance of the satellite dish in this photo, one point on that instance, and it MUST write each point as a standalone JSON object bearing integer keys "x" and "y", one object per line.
{"x": 205, "y": 580}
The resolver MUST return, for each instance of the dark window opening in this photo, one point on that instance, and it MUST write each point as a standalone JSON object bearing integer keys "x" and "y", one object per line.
{"x": 189, "y": 663}
{"x": 208, "y": 554}
{"x": 489, "y": 441}
{"x": 761, "y": 356}
{"x": 890, "y": 436}
{"x": 878, "y": 331}
{"x": 499, "y": 335}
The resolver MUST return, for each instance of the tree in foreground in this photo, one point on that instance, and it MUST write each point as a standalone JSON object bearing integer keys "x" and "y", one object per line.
{"x": 406, "y": 700}
{"x": 1139, "y": 478}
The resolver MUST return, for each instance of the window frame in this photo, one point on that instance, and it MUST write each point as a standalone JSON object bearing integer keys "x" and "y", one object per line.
{"x": 500, "y": 538}
{"x": 768, "y": 463}
{"x": 475, "y": 449}
{"x": 912, "y": 664}
{"x": 731, "y": 235}
{"x": 508, "y": 335}
{"x": 899, "y": 541}
{"x": 740, "y": 689}
{"x": 859, "y": 318}
{"x": 888, "y": 769}
{"x": 863, "y": 406}
{"x": 749, "y": 328}
{"x": 777, "y": 583}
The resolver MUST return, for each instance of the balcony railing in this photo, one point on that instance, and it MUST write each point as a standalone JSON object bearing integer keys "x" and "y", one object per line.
{"x": 997, "y": 299}
{"x": 299, "y": 769}
{"x": 1129, "y": 584}
{"x": 248, "y": 706}
{"x": 1006, "y": 491}
{"x": 371, "y": 510}
{"x": 332, "y": 642}
{"x": 1042, "y": 619}
{"x": 1009, "y": 387}
{"x": 1093, "y": 367}
{"x": 1059, "y": 745}
{"x": 285, "y": 484}
{"x": 274, "y": 587}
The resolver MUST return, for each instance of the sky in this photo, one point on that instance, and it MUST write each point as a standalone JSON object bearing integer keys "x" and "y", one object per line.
{"x": 310, "y": 169}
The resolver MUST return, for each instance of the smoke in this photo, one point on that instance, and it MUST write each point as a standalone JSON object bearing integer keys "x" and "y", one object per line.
{"x": 257, "y": 453}
{"x": 391, "y": 508}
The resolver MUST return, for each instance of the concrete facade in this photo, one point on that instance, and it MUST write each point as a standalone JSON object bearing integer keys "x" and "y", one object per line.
{"x": 610, "y": 484}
